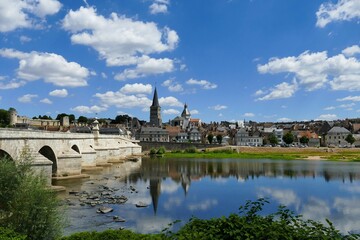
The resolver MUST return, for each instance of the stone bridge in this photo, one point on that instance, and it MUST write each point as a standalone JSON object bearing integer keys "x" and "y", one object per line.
{"x": 59, "y": 154}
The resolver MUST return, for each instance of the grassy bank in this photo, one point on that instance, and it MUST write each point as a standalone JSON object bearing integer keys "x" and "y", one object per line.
{"x": 334, "y": 154}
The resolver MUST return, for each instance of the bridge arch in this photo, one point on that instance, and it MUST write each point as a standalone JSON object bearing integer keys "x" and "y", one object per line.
{"x": 75, "y": 148}
{"x": 4, "y": 154}
{"x": 47, "y": 152}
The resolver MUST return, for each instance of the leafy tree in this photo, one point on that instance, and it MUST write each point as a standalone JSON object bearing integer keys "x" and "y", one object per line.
{"x": 219, "y": 138}
{"x": 288, "y": 138}
{"x": 121, "y": 119}
{"x": 350, "y": 139}
{"x": 273, "y": 139}
{"x": 82, "y": 119}
{"x": 4, "y": 118}
{"x": 304, "y": 140}
{"x": 210, "y": 138}
{"x": 27, "y": 205}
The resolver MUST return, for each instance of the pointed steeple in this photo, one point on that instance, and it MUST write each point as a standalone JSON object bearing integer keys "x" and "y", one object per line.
{"x": 155, "y": 102}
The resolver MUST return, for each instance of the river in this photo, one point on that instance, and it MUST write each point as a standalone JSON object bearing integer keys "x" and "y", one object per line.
{"x": 177, "y": 189}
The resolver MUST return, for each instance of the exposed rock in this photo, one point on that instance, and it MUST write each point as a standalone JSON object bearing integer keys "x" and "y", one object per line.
{"x": 104, "y": 210}
{"x": 141, "y": 205}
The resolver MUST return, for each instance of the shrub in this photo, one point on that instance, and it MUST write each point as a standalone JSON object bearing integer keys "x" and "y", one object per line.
{"x": 8, "y": 234}
{"x": 27, "y": 205}
{"x": 152, "y": 151}
{"x": 112, "y": 235}
{"x": 161, "y": 150}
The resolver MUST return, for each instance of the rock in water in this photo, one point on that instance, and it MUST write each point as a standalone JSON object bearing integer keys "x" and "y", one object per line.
{"x": 141, "y": 204}
{"x": 104, "y": 210}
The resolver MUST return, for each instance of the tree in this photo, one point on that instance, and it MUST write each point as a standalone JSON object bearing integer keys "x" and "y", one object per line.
{"x": 304, "y": 140}
{"x": 273, "y": 139}
{"x": 219, "y": 138}
{"x": 121, "y": 119}
{"x": 4, "y": 118}
{"x": 82, "y": 119}
{"x": 27, "y": 205}
{"x": 288, "y": 138}
{"x": 210, "y": 138}
{"x": 350, "y": 139}
{"x": 61, "y": 115}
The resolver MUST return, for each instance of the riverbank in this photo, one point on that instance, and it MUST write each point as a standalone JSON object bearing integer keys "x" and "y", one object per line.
{"x": 309, "y": 153}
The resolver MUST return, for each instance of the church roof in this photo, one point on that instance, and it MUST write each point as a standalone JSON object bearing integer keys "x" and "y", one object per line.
{"x": 185, "y": 112}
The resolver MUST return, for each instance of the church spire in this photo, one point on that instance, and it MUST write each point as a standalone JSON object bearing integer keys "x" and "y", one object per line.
{"x": 155, "y": 102}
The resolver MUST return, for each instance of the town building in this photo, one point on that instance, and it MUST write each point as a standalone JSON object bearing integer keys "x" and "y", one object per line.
{"x": 336, "y": 136}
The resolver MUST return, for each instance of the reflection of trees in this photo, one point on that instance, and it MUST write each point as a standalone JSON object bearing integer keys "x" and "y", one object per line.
{"x": 176, "y": 169}
{"x": 184, "y": 171}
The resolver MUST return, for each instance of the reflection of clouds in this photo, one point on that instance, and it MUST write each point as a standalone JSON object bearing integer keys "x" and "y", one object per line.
{"x": 349, "y": 211}
{"x": 136, "y": 199}
{"x": 316, "y": 209}
{"x": 152, "y": 224}
{"x": 221, "y": 180}
{"x": 172, "y": 202}
{"x": 352, "y": 188}
{"x": 286, "y": 197}
{"x": 169, "y": 187}
{"x": 203, "y": 205}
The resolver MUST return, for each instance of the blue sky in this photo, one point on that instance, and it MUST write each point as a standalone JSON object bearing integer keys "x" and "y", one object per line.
{"x": 260, "y": 60}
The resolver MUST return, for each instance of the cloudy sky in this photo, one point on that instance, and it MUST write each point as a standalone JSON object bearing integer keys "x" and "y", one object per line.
{"x": 260, "y": 60}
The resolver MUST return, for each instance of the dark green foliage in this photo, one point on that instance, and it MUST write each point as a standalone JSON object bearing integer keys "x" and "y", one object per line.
{"x": 288, "y": 138}
{"x": 121, "y": 119}
{"x": 219, "y": 138}
{"x": 8, "y": 234}
{"x": 227, "y": 151}
{"x": 210, "y": 138}
{"x": 112, "y": 235}
{"x": 4, "y": 118}
{"x": 304, "y": 140}
{"x": 248, "y": 224}
{"x": 43, "y": 117}
{"x": 153, "y": 151}
{"x": 82, "y": 119}
{"x": 273, "y": 139}
{"x": 161, "y": 150}
{"x": 350, "y": 139}
{"x": 27, "y": 205}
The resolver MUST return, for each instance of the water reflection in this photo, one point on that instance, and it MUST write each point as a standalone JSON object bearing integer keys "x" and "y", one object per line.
{"x": 177, "y": 189}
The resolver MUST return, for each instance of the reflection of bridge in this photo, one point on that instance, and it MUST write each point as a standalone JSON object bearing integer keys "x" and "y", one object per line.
{"x": 64, "y": 154}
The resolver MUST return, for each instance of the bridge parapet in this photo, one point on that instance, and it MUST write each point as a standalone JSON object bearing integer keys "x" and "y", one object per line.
{"x": 66, "y": 152}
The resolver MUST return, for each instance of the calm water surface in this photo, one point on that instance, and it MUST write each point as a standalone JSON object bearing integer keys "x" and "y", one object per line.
{"x": 177, "y": 189}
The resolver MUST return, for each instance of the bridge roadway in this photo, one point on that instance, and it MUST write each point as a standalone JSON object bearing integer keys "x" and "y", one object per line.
{"x": 60, "y": 154}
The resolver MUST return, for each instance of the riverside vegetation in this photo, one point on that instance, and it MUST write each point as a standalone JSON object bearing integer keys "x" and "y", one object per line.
{"x": 30, "y": 210}
{"x": 334, "y": 154}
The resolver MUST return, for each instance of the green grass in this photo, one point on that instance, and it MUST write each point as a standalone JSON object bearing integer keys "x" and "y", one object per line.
{"x": 258, "y": 154}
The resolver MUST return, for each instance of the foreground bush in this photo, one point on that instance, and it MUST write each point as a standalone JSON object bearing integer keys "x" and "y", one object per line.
{"x": 27, "y": 205}
{"x": 248, "y": 224}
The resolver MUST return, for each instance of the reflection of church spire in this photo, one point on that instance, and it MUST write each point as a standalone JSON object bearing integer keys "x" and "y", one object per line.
{"x": 185, "y": 182}
{"x": 155, "y": 189}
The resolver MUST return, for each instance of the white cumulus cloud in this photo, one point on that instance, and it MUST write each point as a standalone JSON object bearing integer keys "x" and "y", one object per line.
{"x": 171, "y": 112}
{"x": 59, "y": 93}
{"x": 282, "y": 90}
{"x": 351, "y": 51}
{"x": 46, "y": 101}
{"x": 218, "y": 107}
{"x": 172, "y": 85}
{"x": 202, "y": 83}
{"x": 136, "y": 88}
{"x": 50, "y": 67}
{"x": 170, "y": 101}
{"x": 88, "y": 110}
{"x": 349, "y": 98}
{"x": 317, "y": 70}
{"x": 27, "y": 98}
{"x": 25, "y": 14}
{"x": 343, "y": 10}
{"x": 122, "y": 41}
{"x": 327, "y": 117}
